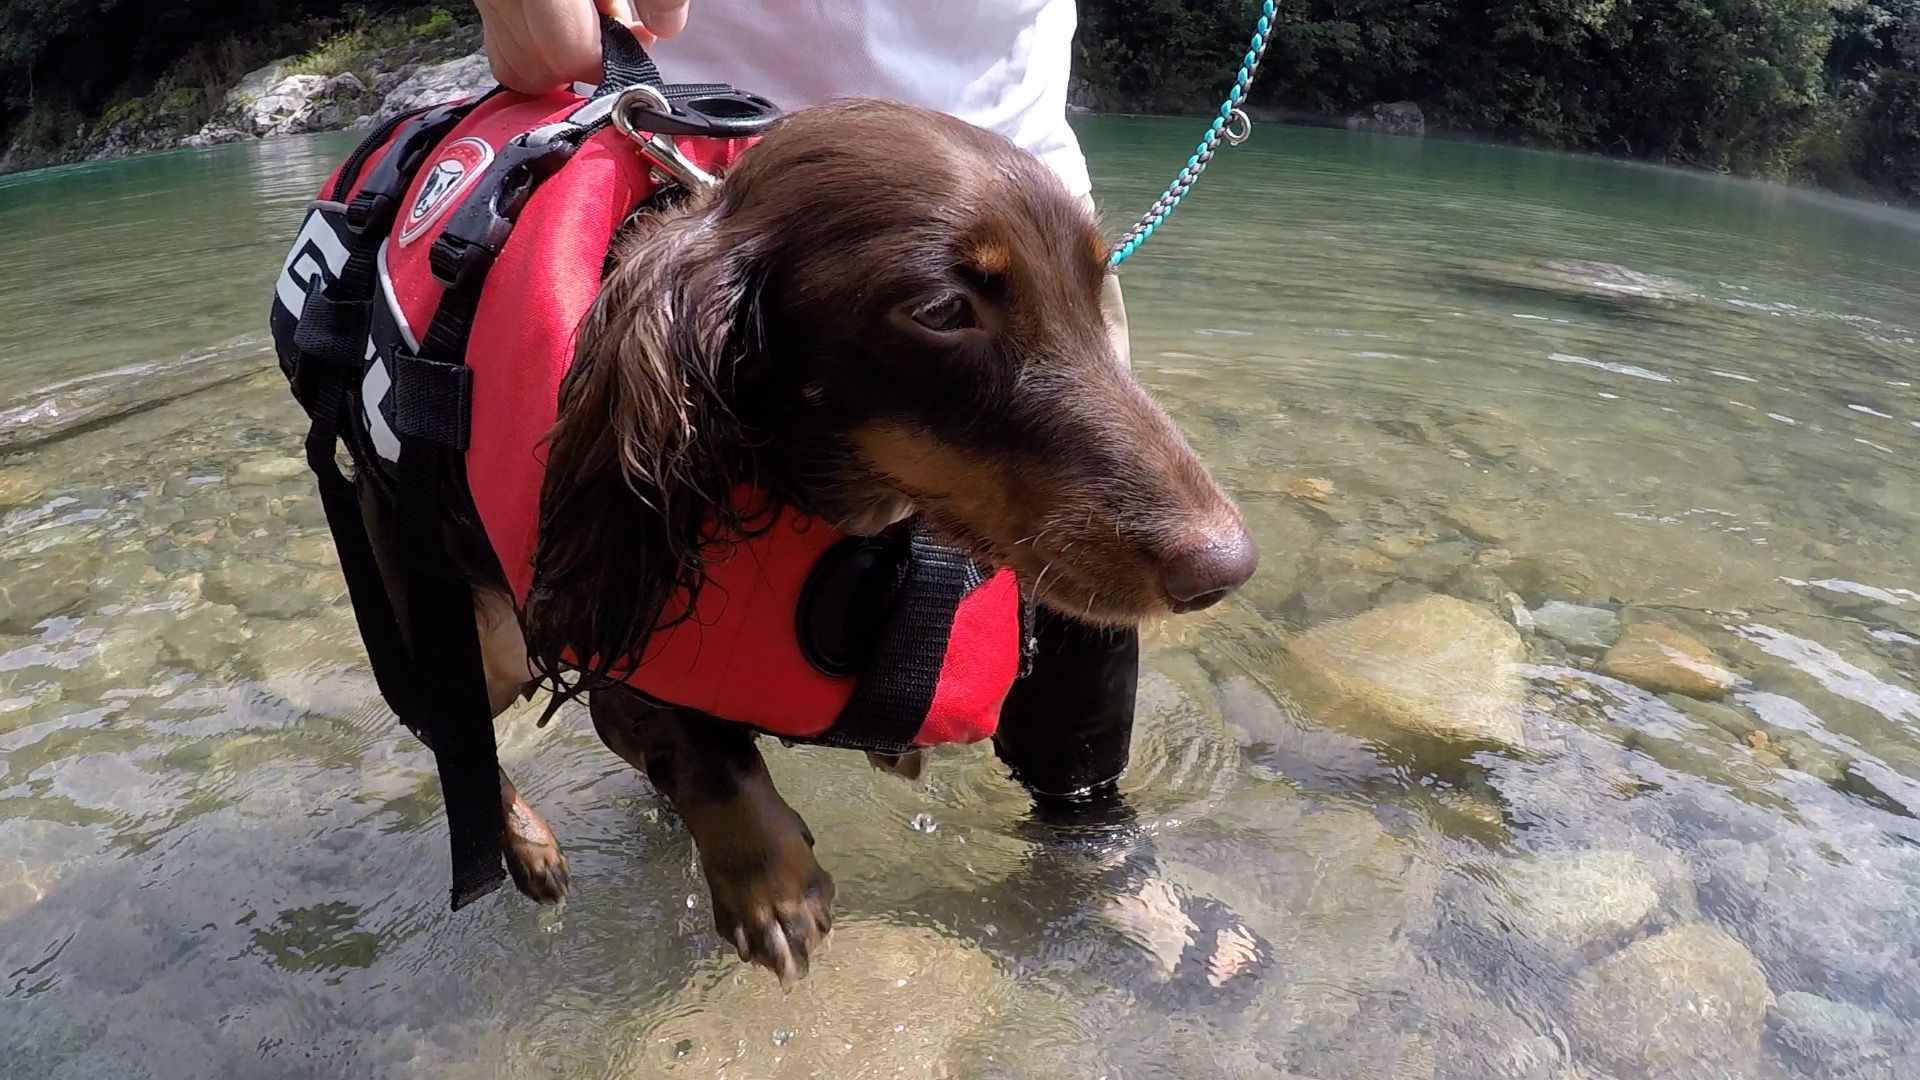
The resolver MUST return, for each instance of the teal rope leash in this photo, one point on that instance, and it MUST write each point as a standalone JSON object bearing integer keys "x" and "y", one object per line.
{"x": 1231, "y": 125}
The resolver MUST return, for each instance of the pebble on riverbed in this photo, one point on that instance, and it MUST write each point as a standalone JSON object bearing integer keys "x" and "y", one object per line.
{"x": 1664, "y": 660}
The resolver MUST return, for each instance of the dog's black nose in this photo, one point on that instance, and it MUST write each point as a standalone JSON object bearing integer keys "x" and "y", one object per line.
{"x": 1206, "y": 573}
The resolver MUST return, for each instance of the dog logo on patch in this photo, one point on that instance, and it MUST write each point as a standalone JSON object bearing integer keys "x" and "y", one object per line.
{"x": 460, "y": 164}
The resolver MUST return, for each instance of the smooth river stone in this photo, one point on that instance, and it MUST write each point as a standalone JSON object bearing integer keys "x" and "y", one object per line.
{"x": 1435, "y": 668}
{"x": 1688, "y": 1003}
{"x": 1667, "y": 661}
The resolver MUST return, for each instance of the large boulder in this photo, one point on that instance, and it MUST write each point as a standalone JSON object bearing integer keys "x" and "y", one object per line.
{"x": 1435, "y": 669}
{"x": 281, "y": 108}
{"x": 256, "y": 83}
{"x": 1688, "y": 1003}
{"x": 433, "y": 84}
{"x": 1390, "y": 117}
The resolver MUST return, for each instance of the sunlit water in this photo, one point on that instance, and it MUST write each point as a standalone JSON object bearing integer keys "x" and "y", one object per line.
{"x": 219, "y": 856}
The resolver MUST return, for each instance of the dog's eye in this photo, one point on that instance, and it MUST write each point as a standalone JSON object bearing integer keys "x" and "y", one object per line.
{"x": 949, "y": 312}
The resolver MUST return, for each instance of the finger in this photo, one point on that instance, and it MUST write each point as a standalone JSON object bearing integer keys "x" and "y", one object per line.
{"x": 664, "y": 17}
{"x": 622, "y": 12}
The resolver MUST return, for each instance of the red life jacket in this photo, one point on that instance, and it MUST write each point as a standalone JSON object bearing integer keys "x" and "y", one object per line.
{"x": 947, "y": 645}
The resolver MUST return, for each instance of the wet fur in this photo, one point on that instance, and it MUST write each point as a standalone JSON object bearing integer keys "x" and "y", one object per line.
{"x": 753, "y": 335}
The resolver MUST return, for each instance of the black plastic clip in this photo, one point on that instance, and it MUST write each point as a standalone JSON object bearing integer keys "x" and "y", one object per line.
{"x": 478, "y": 230}
{"x": 378, "y": 201}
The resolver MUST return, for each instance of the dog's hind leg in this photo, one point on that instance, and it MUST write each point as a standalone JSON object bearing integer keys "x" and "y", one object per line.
{"x": 771, "y": 898}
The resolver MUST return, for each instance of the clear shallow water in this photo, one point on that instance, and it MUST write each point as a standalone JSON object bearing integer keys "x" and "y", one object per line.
{"x": 219, "y": 857}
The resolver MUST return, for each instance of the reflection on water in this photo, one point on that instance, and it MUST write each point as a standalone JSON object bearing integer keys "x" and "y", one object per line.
{"x": 1639, "y": 800}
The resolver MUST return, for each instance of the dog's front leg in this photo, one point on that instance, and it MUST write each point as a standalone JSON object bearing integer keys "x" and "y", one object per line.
{"x": 771, "y": 898}
{"x": 1067, "y": 727}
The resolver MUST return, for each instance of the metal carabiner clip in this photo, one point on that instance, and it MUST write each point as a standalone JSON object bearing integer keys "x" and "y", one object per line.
{"x": 658, "y": 148}
{"x": 1239, "y": 128}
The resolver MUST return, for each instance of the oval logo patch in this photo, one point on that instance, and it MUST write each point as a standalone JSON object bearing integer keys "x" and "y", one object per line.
{"x": 460, "y": 163}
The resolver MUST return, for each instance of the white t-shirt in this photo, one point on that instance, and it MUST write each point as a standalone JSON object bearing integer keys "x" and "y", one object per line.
{"x": 1000, "y": 64}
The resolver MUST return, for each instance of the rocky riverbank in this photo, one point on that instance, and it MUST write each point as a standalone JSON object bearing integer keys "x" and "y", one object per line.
{"x": 349, "y": 82}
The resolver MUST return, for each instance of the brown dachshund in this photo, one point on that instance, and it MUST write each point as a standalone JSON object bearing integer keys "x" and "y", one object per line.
{"x": 881, "y": 310}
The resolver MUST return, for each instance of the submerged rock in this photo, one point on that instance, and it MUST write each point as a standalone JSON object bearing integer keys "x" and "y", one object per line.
{"x": 928, "y": 989}
{"x": 1823, "y": 1032}
{"x": 1581, "y": 898}
{"x": 76, "y": 404}
{"x": 1577, "y": 626}
{"x": 1552, "y": 575}
{"x": 1690, "y": 1002}
{"x": 27, "y": 599}
{"x": 1286, "y": 539}
{"x": 1589, "y": 280}
{"x": 1435, "y": 668}
{"x": 1667, "y": 661}
{"x": 18, "y": 487}
{"x": 269, "y": 469}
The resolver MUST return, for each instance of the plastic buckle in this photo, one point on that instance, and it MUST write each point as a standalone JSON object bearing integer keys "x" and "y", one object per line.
{"x": 374, "y": 208}
{"x": 477, "y": 231}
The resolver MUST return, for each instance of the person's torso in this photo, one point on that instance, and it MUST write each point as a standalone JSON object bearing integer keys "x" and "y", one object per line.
{"x": 1001, "y": 64}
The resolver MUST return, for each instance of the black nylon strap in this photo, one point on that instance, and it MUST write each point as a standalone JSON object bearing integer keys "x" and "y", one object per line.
{"x": 432, "y": 400}
{"x": 431, "y": 676}
{"x": 897, "y": 684}
{"x": 623, "y": 61}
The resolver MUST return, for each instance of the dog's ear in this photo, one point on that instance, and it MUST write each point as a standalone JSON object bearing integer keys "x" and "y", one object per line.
{"x": 646, "y": 450}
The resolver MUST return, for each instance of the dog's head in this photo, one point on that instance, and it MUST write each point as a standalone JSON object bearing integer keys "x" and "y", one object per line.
{"x": 879, "y": 308}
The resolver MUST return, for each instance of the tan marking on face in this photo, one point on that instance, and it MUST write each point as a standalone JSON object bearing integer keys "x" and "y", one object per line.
{"x": 972, "y": 490}
{"x": 991, "y": 257}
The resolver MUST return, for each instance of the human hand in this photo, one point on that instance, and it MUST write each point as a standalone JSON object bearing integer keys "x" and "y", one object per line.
{"x": 539, "y": 45}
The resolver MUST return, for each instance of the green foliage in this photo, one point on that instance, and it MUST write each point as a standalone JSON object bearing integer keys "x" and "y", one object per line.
{"x": 1807, "y": 88}
{"x": 367, "y": 36}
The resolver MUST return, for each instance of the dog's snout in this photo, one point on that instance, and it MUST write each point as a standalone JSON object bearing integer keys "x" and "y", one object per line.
{"x": 1205, "y": 573}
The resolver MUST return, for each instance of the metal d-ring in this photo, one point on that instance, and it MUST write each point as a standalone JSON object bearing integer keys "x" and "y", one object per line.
{"x": 1237, "y": 135}
{"x": 658, "y": 148}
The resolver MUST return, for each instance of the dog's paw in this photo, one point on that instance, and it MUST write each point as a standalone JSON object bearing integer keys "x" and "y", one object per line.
{"x": 776, "y": 911}
{"x": 533, "y": 856}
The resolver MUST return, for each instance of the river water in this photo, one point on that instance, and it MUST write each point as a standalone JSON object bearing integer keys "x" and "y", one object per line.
{"x": 219, "y": 857}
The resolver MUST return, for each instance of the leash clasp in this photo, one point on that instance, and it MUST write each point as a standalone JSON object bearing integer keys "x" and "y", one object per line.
{"x": 644, "y": 114}
{"x": 1239, "y": 128}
